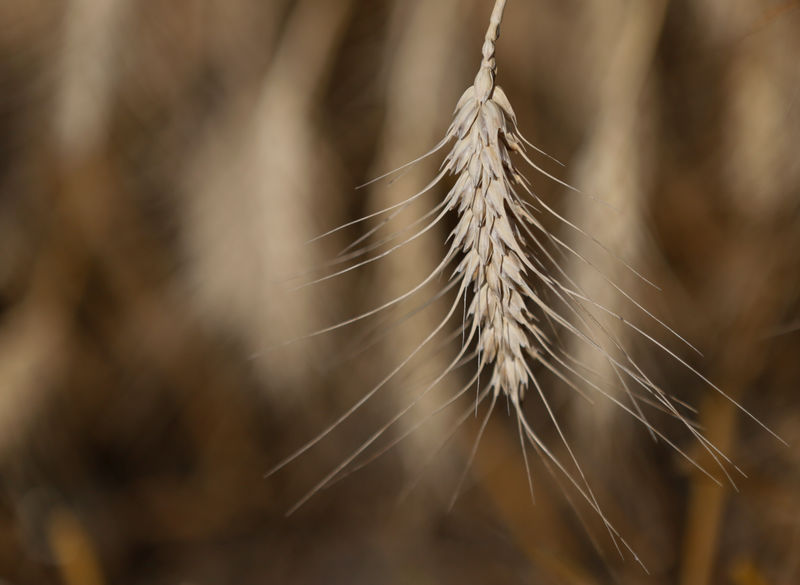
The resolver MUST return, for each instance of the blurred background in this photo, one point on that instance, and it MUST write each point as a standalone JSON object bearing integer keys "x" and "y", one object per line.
{"x": 162, "y": 165}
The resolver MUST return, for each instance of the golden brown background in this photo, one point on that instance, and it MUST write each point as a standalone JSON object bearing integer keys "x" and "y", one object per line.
{"x": 162, "y": 164}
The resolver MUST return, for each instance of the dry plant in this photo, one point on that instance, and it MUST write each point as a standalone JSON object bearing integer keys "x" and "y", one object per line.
{"x": 35, "y": 341}
{"x": 507, "y": 274}
{"x": 247, "y": 217}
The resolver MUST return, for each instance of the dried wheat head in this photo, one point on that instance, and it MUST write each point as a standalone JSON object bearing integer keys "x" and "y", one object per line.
{"x": 506, "y": 268}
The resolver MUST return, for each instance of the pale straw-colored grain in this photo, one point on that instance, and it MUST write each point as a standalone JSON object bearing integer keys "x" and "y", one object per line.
{"x": 507, "y": 269}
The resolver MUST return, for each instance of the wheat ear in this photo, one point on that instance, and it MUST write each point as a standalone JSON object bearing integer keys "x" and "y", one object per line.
{"x": 494, "y": 261}
{"x": 502, "y": 249}
{"x": 490, "y": 240}
{"x": 507, "y": 265}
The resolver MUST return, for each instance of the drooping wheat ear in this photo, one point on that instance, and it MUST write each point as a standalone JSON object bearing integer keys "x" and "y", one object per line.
{"x": 507, "y": 272}
{"x": 489, "y": 213}
{"x": 494, "y": 237}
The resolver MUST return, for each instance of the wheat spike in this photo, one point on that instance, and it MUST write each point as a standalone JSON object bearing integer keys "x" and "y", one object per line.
{"x": 517, "y": 296}
{"x": 490, "y": 239}
{"x": 487, "y": 234}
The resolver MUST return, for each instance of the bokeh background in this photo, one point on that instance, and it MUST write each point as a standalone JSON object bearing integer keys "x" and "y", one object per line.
{"x": 162, "y": 165}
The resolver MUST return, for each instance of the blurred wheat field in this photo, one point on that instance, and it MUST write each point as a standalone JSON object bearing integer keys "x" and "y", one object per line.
{"x": 162, "y": 166}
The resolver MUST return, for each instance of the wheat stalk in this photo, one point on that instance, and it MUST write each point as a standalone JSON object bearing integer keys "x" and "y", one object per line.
{"x": 508, "y": 275}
